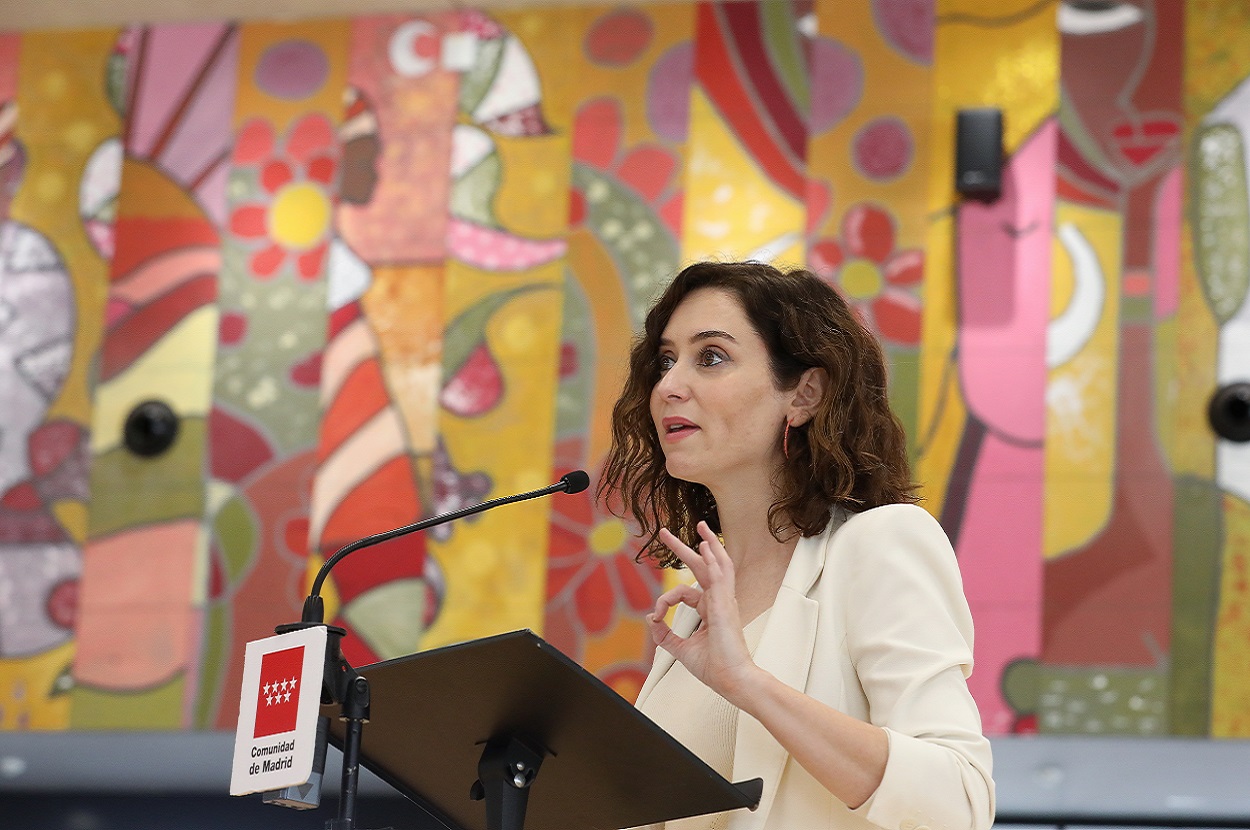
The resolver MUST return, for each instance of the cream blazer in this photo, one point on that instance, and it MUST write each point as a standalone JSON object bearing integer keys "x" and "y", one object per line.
{"x": 871, "y": 619}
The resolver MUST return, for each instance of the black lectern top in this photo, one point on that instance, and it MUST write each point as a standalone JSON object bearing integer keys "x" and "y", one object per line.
{"x": 606, "y": 765}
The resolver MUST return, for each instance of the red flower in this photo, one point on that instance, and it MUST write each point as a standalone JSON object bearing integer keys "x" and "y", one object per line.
{"x": 878, "y": 281}
{"x": 591, "y": 569}
{"x": 650, "y": 170}
{"x": 291, "y": 219}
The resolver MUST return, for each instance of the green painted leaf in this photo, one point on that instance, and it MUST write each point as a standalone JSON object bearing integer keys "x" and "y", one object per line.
{"x": 786, "y": 47}
{"x": 644, "y": 250}
{"x": 473, "y": 194}
{"x": 1221, "y": 218}
{"x": 476, "y": 82}
{"x": 575, "y": 394}
{"x": 467, "y": 330}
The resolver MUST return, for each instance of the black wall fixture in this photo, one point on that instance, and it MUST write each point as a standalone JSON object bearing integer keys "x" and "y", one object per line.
{"x": 1229, "y": 411}
{"x": 979, "y": 152}
{"x": 151, "y": 428}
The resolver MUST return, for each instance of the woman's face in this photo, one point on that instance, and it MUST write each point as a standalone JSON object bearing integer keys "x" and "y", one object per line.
{"x": 717, "y": 412}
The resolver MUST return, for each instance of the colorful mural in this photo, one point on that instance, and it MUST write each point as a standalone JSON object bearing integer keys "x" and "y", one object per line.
{"x": 1109, "y": 496}
{"x": 173, "y": 87}
{"x": 54, "y": 266}
{"x": 628, "y": 117}
{"x": 1210, "y": 674}
{"x": 980, "y": 446}
{"x": 269, "y": 288}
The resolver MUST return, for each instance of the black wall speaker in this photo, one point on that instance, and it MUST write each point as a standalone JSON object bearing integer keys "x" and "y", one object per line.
{"x": 979, "y": 151}
{"x": 1229, "y": 411}
{"x": 150, "y": 429}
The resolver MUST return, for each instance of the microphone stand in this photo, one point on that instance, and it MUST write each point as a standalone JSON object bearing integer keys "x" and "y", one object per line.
{"x": 340, "y": 682}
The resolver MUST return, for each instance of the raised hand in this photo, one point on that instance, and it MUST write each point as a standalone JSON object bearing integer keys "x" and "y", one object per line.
{"x": 716, "y": 652}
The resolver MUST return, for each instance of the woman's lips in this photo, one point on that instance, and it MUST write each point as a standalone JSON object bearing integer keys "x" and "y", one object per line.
{"x": 675, "y": 429}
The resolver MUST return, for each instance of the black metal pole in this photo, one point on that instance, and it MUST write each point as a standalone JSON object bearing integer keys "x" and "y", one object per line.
{"x": 351, "y": 777}
{"x": 355, "y": 716}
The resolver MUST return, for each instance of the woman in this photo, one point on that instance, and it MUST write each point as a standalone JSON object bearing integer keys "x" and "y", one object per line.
{"x": 826, "y": 643}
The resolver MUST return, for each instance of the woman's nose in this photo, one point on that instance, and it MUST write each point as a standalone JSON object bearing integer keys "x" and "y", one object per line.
{"x": 672, "y": 383}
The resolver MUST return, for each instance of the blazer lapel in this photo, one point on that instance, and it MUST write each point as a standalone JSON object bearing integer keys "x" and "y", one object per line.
{"x": 785, "y": 650}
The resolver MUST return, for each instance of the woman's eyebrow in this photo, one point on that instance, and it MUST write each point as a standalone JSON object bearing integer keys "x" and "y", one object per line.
{"x": 703, "y": 335}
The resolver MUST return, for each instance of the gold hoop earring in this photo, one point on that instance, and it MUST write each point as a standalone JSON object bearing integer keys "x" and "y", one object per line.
{"x": 785, "y": 441}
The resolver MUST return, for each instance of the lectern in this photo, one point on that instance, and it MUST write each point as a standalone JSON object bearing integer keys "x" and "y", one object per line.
{"x": 502, "y": 733}
{"x": 507, "y": 732}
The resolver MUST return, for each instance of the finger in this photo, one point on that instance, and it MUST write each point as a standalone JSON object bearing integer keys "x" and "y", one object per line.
{"x": 676, "y": 545}
{"x": 661, "y": 634}
{"x": 701, "y": 561}
{"x": 689, "y": 557}
{"x": 681, "y": 594}
{"x": 713, "y": 572}
{"x": 715, "y": 548}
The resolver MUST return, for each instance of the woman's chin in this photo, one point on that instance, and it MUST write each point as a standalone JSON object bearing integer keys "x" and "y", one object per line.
{"x": 682, "y": 472}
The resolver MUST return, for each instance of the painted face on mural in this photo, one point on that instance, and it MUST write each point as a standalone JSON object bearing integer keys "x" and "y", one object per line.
{"x": 1118, "y": 78}
{"x": 361, "y": 147}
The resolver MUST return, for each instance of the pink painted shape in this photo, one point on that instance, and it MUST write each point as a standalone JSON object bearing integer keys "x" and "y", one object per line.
{"x": 205, "y": 133}
{"x": 164, "y": 272}
{"x": 991, "y": 659}
{"x": 135, "y": 614}
{"x": 1167, "y": 238}
{"x": 10, "y": 49}
{"x": 103, "y": 237}
{"x": 495, "y": 250}
{"x": 116, "y": 310}
{"x": 406, "y": 219}
{"x": 1004, "y": 303}
{"x": 212, "y": 193}
{"x": 172, "y": 58}
{"x": 1000, "y": 555}
{"x": 1004, "y": 292}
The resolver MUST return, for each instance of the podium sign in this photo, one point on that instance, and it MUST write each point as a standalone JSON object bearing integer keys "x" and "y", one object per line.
{"x": 275, "y": 741}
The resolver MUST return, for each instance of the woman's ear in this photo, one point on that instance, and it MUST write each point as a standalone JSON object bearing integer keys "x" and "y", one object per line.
{"x": 808, "y": 395}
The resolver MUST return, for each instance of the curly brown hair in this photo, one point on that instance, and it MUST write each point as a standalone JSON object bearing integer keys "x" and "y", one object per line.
{"x": 851, "y": 454}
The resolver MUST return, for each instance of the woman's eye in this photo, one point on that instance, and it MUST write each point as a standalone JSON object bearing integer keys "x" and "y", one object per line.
{"x": 709, "y": 357}
{"x": 666, "y": 362}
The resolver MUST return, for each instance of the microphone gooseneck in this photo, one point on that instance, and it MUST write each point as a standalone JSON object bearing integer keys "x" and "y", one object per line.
{"x": 314, "y": 606}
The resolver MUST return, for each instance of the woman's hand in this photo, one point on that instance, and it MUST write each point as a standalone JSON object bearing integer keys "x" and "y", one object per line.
{"x": 846, "y": 755}
{"x": 716, "y": 652}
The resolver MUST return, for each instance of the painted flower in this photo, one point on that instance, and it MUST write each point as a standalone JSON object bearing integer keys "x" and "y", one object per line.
{"x": 592, "y": 576}
{"x": 878, "y": 281}
{"x": 649, "y": 171}
{"x": 592, "y": 564}
{"x": 597, "y": 593}
{"x": 289, "y": 221}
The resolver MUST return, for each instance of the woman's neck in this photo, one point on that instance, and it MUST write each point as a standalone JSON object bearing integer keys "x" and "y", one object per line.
{"x": 760, "y": 561}
{"x": 745, "y": 530}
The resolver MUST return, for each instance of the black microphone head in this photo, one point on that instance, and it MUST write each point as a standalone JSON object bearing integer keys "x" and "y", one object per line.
{"x": 576, "y": 481}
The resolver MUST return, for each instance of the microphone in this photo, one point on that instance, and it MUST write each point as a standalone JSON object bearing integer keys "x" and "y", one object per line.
{"x": 314, "y": 605}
